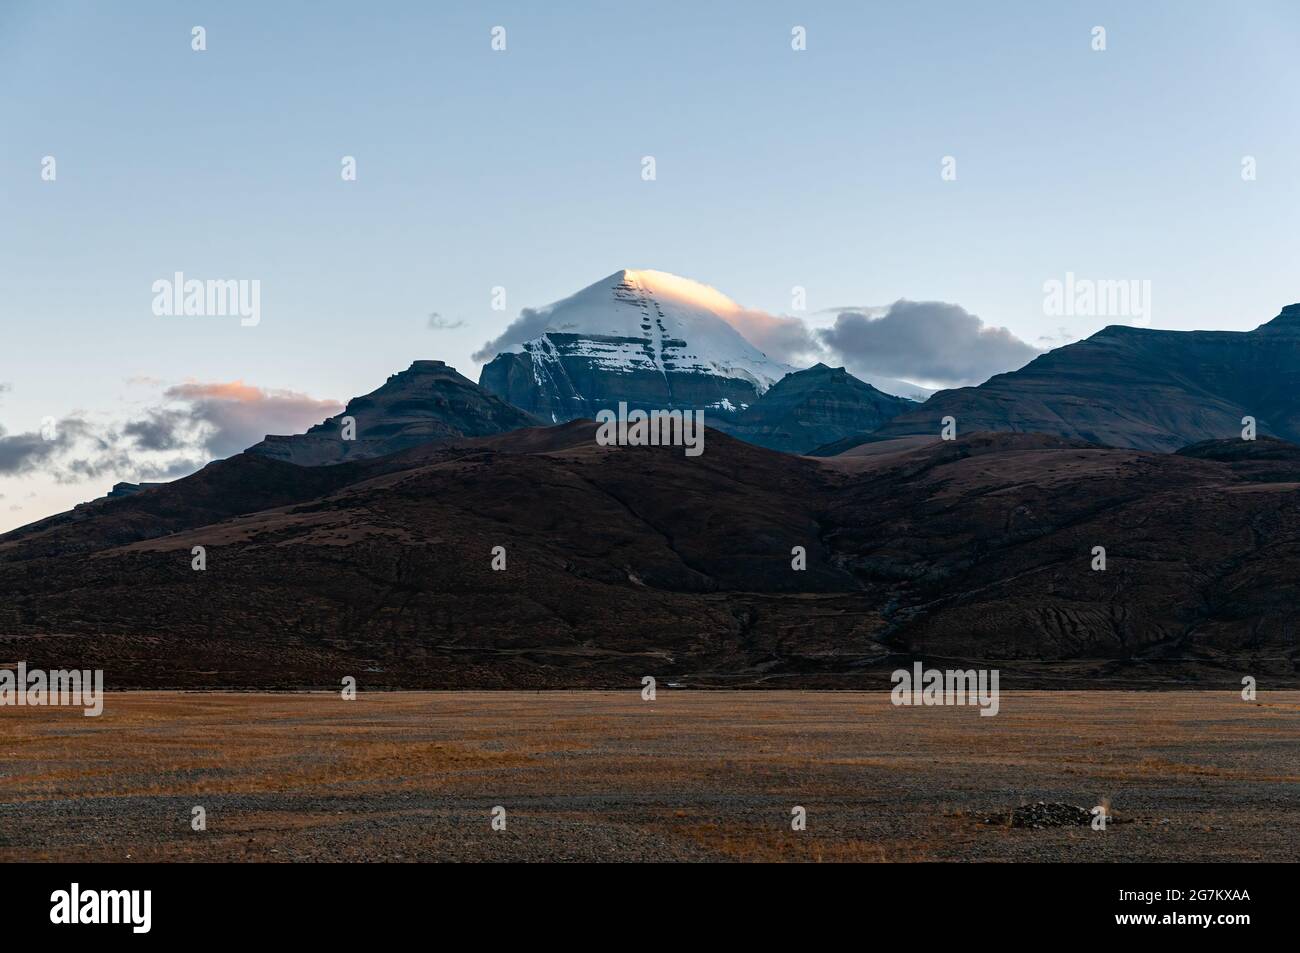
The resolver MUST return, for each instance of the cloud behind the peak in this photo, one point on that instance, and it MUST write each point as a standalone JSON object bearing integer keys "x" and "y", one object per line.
{"x": 925, "y": 341}
{"x": 781, "y": 337}
{"x": 531, "y": 323}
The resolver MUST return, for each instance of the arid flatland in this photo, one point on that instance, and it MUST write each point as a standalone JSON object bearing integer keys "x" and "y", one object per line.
{"x": 609, "y": 776}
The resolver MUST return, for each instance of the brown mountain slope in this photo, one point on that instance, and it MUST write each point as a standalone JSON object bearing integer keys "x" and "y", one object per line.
{"x": 428, "y": 402}
{"x": 623, "y": 562}
{"x": 813, "y": 407}
{"x": 1132, "y": 387}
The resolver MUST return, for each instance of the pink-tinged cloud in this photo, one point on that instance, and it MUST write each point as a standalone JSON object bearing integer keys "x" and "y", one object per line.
{"x": 780, "y": 337}
{"x": 234, "y": 415}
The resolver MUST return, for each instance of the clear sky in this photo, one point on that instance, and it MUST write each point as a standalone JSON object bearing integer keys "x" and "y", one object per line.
{"x": 522, "y": 169}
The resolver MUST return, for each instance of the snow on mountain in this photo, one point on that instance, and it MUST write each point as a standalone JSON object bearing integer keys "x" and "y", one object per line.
{"x": 645, "y": 336}
{"x": 651, "y": 314}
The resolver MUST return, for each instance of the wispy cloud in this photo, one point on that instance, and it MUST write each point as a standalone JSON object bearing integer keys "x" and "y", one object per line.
{"x": 438, "y": 323}
{"x": 25, "y": 452}
{"x": 224, "y": 418}
{"x": 191, "y": 424}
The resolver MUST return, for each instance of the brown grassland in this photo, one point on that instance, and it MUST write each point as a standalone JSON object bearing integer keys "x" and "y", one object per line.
{"x": 414, "y": 776}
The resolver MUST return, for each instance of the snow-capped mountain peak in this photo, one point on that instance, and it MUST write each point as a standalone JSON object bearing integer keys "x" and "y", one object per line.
{"x": 657, "y": 320}
{"x": 636, "y": 335}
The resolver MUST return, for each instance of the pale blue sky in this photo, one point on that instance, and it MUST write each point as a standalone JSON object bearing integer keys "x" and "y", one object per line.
{"x": 522, "y": 169}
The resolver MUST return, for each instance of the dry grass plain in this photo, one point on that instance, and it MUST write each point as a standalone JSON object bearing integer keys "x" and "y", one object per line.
{"x": 413, "y": 776}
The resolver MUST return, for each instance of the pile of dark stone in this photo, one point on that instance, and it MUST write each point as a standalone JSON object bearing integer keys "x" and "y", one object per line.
{"x": 1041, "y": 814}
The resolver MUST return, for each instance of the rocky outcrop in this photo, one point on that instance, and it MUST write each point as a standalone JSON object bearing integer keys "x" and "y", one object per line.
{"x": 810, "y": 408}
{"x": 427, "y": 403}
